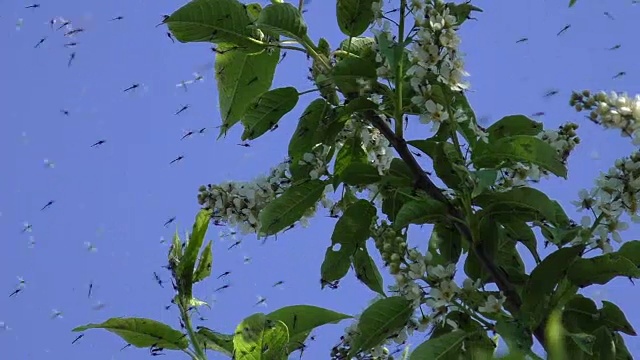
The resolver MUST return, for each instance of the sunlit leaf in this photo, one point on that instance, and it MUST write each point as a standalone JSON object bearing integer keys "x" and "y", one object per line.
{"x": 188, "y": 260}
{"x": 241, "y": 78}
{"x": 216, "y": 341}
{"x": 203, "y": 270}
{"x": 217, "y": 21}
{"x": 289, "y": 207}
{"x": 260, "y": 338}
{"x": 349, "y": 73}
{"x": 141, "y": 332}
{"x": 266, "y": 110}
{"x": 631, "y": 250}
{"x": 380, "y": 320}
{"x": 302, "y": 319}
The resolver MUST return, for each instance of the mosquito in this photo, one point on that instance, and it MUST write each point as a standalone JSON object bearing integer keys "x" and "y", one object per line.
{"x": 19, "y": 24}
{"x": 34, "y": 6}
{"x": 117, "y": 18}
{"x": 170, "y": 37}
{"x": 183, "y": 108}
{"x": 90, "y": 247}
{"x": 201, "y": 131}
{"x": 56, "y": 314}
{"x": 71, "y": 57}
{"x": 234, "y": 244}
{"x": 619, "y": 75}
{"x": 539, "y": 113}
{"x": 183, "y": 84}
{"x": 77, "y": 338}
{"x": 158, "y": 280}
{"x": 224, "y": 274}
{"x": 40, "y": 42}
{"x": 176, "y": 159}
{"x": 98, "y": 143}
{"x": 607, "y": 14}
{"x": 278, "y": 284}
{"x": 70, "y": 45}
{"x": 246, "y": 259}
{"x": 261, "y": 301}
{"x": 65, "y": 112}
{"x": 27, "y": 227}
{"x": 615, "y": 47}
{"x": 550, "y": 93}
{"x": 565, "y": 28}
{"x": 90, "y": 289}
{"x": 49, "y": 164}
{"x": 70, "y": 33}
{"x": 245, "y": 145}
{"x": 132, "y": 87}
{"x": 172, "y": 219}
{"x": 522, "y": 40}
{"x": 164, "y": 19}
{"x": 222, "y": 288}
{"x": 187, "y": 134}
{"x": 47, "y": 205}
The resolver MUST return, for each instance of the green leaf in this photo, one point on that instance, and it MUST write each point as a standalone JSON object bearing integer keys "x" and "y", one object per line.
{"x": 289, "y": 207}
{"x": 622, "y": 353}
{"x": 520, "y": 148}
{"x": 515, "y": 334}
{"x": 351, "y": 232}
{"x": 216, "y": 341}
{"x": 350, "y": 152}
{"x": 572, "y": 2}
{"x": 461, "y": 11}
{"x": 241, "y": 78}
{"x": 359, "y": 46}
{"x": 254, "y": 10}
{"x": 302, "y": 319}
{"x": 188, "y": 260}
{"x": 528, "y": 203}
{"x": 304, "y": 139}
{"x": 601, "y": 269}
{"x": 357, "y": 105}
{"x": 461, "y": 104}
{"x": 519, "y": 231}
{"x": 380, "y": 320}
{"x": 418, "y": 212}
{"x": 394, "y": 198}
{"x": 614, "y": 318}
{"x": 260, "y": 338}
{"x": 483, "y": 180}
{"x": 203, "y": 270}
{"x": 390, "y": 50}
{"x": 367, "y": 271}
{"x": 357, "y": 173}
{"x": 217, "y": 21}
{"x": 349, "y": 72}
{"x": 266, "y": 110}
{"x": 631, "y": 250}
{"x": 354, "y": 16}
{"x": 580, "y": 314}
{"x": 141, "y": 332}
{"x": 282, "y": 19}
{"x": 604, "y": 346}
{"x": 583, "y": 341}
{"x": 442, "y": 347}
{"x": 449, "y": 242}
{"x": 513, "y": 125}
{"x": 543, "y": 280}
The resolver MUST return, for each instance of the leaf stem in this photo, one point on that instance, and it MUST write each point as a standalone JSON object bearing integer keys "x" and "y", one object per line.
{"x": 399, "y": 51}
{"x": 186, "y": 319}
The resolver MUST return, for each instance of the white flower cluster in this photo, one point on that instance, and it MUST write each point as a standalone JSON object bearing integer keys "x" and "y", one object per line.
{"x": 616, "y": 192}
{"x": 237, "y": 204}
{"x": 564, "y": 140}
{"x": 613, "y": 110}
{"x": 379, "y": 152}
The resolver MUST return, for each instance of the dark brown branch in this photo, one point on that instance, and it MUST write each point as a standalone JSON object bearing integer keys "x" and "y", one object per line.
{"x": 513, "y": 301}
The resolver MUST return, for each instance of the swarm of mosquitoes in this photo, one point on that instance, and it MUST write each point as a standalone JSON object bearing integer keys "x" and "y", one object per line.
{"x": 71, "y": 34}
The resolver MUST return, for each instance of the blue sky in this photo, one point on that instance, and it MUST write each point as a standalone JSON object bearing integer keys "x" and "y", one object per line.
{"x": 118, "y": 196}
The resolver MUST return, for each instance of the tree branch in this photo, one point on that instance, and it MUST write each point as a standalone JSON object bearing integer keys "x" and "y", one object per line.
{"x": 513, "y": 301}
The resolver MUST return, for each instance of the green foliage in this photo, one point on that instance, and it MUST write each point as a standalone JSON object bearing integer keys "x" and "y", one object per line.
{"x": 290, "y": 206}
{"x": 354, "y": 128}
{"x": 382, "y": 319}
{"x": 141, "y": 332}
{"x": 258, "y": 337}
